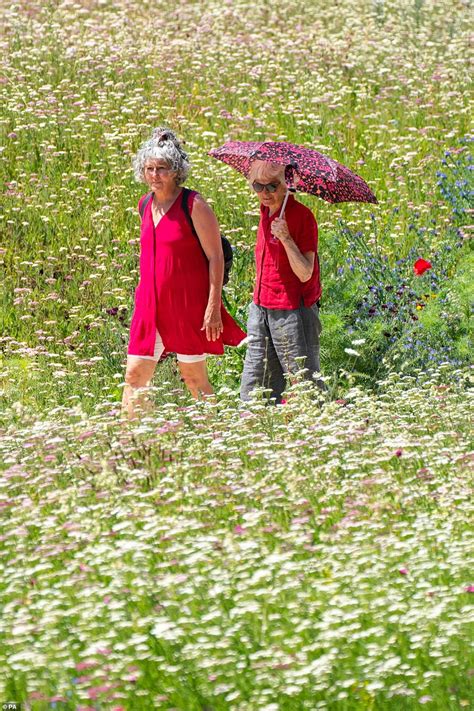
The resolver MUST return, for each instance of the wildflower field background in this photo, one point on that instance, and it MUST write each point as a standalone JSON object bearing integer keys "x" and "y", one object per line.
{"x": 217, "y": 557}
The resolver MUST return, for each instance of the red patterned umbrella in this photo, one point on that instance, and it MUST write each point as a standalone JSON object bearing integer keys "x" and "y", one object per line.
{"x": 306, "y": 169}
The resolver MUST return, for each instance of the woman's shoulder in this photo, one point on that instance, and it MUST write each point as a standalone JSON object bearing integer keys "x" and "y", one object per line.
{"x": 193, "y": 194}
{"x": 142, "y": 200}
{"x": 302, "y": 214}
{"x": 197, "y": 202}
{"x": 302, "y": 209}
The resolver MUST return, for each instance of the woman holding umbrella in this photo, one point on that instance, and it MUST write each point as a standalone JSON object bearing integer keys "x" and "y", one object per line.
{"x": 283, "y": 326}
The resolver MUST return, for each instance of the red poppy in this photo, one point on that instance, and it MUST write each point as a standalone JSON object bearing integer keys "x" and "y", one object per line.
{"x": 421, "y": 266}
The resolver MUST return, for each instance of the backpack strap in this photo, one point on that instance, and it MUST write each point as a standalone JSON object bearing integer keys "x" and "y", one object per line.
{"x": 145, "y": 202}
{"x": 226, "y": 246}
{"x": 185, "y": 205}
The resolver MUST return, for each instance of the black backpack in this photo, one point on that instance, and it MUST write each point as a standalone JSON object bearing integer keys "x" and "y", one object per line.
{"x": 226, "y": 246}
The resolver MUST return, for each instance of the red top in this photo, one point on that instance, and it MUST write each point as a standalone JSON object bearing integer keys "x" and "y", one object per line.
{"x": 173, "y": 291}
{"x": 277, "y": 286}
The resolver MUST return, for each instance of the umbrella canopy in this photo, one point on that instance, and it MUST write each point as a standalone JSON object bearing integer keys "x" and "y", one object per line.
{"x": 306, "y": 170}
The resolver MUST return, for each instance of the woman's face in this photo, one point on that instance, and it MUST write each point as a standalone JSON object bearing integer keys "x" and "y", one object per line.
{"x": 159, "y": 176}
{"x": 272, "y": 200}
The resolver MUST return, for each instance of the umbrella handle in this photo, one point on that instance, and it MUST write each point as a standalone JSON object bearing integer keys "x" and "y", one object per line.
{"x": 282, "y": 211}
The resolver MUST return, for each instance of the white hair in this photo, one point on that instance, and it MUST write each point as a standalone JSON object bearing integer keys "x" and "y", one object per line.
{"x": 266, "y": 170}
{"x": 163, "y": 145}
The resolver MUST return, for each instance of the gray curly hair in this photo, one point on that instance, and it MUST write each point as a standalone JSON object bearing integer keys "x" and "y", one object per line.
{"x": 163, "y": 145}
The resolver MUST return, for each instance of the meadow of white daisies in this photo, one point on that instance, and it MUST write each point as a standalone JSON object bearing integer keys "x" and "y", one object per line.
{"x": 214, "y": 556}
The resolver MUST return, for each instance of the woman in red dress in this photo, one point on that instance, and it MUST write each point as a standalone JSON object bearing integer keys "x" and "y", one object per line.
{"x": 178, "y": 302}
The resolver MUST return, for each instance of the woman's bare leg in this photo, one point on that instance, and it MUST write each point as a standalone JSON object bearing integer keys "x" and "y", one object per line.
{"x": 196, "y": 378}
{"x": 138, "y": 375}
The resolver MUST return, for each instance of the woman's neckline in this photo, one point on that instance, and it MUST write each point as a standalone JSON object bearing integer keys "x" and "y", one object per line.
{"x": 155, "y": 225}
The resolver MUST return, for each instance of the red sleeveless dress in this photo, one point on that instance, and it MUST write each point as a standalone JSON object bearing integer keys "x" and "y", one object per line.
{"x": 173, "y": 290}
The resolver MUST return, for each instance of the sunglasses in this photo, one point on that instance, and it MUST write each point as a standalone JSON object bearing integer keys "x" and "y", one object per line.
{"x": 269, "y": 187}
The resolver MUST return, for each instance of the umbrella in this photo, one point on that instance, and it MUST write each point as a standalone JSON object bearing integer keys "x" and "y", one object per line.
{"x": 306, "y": 170}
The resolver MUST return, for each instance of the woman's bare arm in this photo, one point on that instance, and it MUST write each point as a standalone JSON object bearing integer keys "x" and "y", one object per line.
{"x": 207, "y": 229}
{"x": 301, "y": 264}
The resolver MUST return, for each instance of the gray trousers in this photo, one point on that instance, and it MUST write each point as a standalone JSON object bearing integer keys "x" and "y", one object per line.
{"x": 280, "y": 341}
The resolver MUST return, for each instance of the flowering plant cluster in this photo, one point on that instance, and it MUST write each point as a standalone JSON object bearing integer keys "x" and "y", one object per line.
{"x": 241, "y": 558}
{"x": 405, "y": 308}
